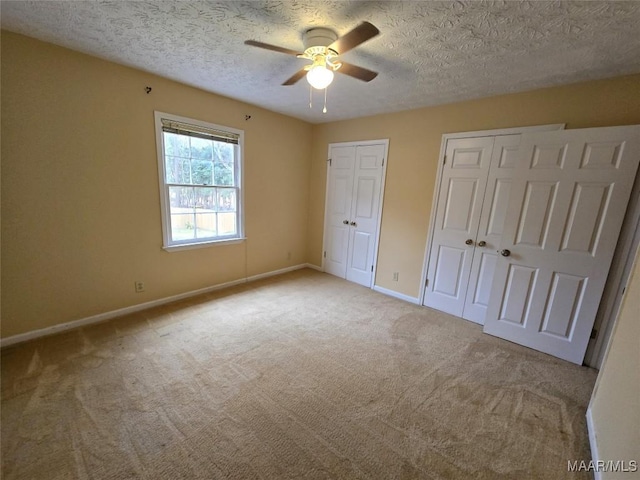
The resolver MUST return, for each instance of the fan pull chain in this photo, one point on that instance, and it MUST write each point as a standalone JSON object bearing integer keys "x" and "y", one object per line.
{"x": 324, "y": 110}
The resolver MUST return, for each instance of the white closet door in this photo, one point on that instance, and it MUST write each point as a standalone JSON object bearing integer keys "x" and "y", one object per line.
{"x": 568, "y": 199}
{"x": 462, "y": 190}
{"x": 339, "y": 199}
{"x": 365, "y": 205}
{"x": 496, "y": 200}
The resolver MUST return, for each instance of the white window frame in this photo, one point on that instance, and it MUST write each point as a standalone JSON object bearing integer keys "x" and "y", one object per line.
{"x": 168, "y": 243}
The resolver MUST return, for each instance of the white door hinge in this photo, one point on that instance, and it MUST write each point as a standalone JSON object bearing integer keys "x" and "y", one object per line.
{"x": 325, "y": 254}
{"x": 329, "y": 160}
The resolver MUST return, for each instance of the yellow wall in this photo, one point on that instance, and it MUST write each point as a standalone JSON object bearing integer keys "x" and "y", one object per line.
{"x": 615, "y": 403}
{"x": 80, "y": 189}
{"x": 414, "y": 146}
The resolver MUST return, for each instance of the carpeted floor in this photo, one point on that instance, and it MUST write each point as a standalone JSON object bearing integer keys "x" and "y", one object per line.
{"x": 299, "y": 376}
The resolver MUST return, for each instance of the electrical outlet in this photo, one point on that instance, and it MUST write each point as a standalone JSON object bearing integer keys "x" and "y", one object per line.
{"x": 139, "y": 286}
{"x": 396, "y": 275}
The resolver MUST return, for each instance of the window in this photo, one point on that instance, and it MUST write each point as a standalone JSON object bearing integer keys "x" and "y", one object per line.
{"x": 200, "y": 168}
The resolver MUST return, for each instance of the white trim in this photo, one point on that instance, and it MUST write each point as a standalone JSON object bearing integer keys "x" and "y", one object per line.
{"x": 273, "y": 273}
{"x": 507, "y": 131}
{"x": 168, "y": 244}
{"x": 188, "y": 246}
{"x": 314, "y": 267}
{"x": 385, "y": 162}
{"x": 621, "y": 267}
{"x": 101, "y": 317}
{"x": 595, "y": 456}
{"x": 436, "y": 191}
{"x": 324, "y": 218}
{"x": 361, "y": 143}
{"x": 398, "y": 295}
{"x": 432, "y": 219}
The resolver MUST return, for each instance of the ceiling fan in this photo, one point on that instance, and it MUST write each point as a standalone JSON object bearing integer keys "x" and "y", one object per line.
{"x": 322, "y": 47}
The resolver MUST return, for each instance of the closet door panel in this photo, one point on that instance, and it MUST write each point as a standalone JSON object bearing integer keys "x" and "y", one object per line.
{"x": 339, "y": 200}
{"x": 491, "y": 226}
{"x": 568, "y": 201}
{"x": 457, "y": 218}
{"x": 367, "y": 182}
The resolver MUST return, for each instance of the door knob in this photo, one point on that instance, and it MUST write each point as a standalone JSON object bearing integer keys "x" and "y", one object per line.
{"x": 482, "y": 243}
{"x": 469, "y": 241}
{"x": 505, "y": 252}
{"x": 346, "y": 222}
{"x": 353, "y": 224}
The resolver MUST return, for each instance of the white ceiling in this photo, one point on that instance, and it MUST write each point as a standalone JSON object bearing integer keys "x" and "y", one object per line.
{"x": 428, "y": 52}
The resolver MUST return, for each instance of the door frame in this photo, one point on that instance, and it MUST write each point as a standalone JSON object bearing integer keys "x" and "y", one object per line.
{"x": 385, "y": 162}
{"x": 621, "y": 265}
{"x": 436, "y": 191}
{"x": 628, "y": 244}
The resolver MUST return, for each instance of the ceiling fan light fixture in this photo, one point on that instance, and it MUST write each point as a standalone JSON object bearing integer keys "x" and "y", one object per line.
{"x": 322, "y": 47}
{"x": 319, "y": 77}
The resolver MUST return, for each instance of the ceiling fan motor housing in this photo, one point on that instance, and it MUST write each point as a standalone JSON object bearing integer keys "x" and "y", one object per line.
{"x": 319, "y": 37}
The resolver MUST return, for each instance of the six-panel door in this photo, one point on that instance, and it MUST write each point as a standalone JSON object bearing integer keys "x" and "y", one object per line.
{"x": 367, "y": 178}
{"x": 458, "y": 213}
{"x": 494, "y": 209}
{"x": 353, "y": 207}
{"x": 339, "y": 199}
{"x": 568, "y": 199}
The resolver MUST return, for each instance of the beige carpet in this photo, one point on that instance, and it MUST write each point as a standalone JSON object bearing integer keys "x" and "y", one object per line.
{"x": 297, "y": 377}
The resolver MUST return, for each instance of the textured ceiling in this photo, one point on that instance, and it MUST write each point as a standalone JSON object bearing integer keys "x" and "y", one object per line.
{"x": 428, "y": 52}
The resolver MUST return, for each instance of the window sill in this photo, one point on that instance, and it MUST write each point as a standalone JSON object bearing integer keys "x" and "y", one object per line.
{"x": 189, "y": 246}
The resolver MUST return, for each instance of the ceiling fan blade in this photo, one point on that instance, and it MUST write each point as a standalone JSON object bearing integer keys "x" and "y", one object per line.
{"x": 363, "y": 32}
{"x": 355, "y": 71}
{"x": 268, "y": 46}
{"x": 295, "y": 77}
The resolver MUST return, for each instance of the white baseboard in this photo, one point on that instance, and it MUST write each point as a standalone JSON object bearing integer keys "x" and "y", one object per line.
{"x": 595, "y": 456}
{"x": 314, "y": 267}
{"x": 101, "y": 317}
{"x": 253, "y": 278}
{"x": 398, "y": 295}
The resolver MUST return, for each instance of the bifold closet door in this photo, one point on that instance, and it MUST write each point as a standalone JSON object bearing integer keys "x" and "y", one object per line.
{"x": 569, "y": 195}
{"x": 462, "y": 188}
{"x": 494, "y": 209}
{"x": 339, "y": 200}
{"x": 462, "y": 285}
{"x": 353, "y": 206}
{"x": 367, "y": 180}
